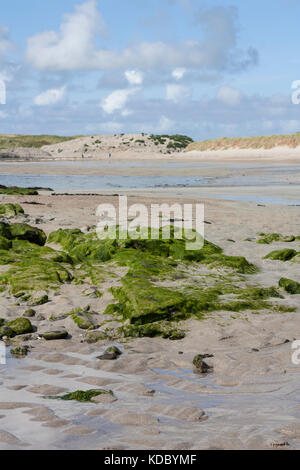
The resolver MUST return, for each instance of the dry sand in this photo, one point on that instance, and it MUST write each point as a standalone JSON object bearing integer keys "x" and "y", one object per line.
{"x": 250, "y": 401}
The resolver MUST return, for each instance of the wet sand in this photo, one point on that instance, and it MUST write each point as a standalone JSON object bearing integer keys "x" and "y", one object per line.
{"x": 251, "y": 400}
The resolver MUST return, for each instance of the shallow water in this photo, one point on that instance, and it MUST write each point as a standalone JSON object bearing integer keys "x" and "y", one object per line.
{"x": 253, "y": 175}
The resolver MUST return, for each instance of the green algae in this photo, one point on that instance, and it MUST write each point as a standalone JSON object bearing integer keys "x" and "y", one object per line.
{"x": 282, "y": 255}
{"x": 27, "y": 276}
{"x": 26, "y": 232}
{"x": 81, "y": 396}
{"x": 84, "y": 320}
{"x": 11, "y": 210}
{"x": 20, "y": 326}
{"x": 96, "y": 336}
{"x": 19, "y": 352}
{"x": 14, "y": 190}
{"x": 292, "y": 287}
{"x": 269, "y": 238}
{"x": 5, "y": 244}
{"x": 151, "y": 330}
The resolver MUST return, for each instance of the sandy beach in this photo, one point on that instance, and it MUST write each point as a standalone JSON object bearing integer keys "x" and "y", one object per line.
{"x": 249, "y": 400}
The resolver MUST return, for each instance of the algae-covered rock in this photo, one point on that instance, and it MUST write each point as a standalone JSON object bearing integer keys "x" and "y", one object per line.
{"x": 29, "y": 275}
{"x": 82, "y": 396}
{"x": 36, "y": 300}
{"x": 55, "y": 335}
{"x": 96, "y": 336}
{"x": 4, "y": 230}
{"x": 152, "y": 330}
{"x": 11, "y": 210}
{"x": 5, "y": 244}
{"x": 282, "y": 255}
{"x": 111, "y": 354}
{"x": 20, "y": 326}
{"x": 20, "y": 351}
{"x": 292, "y": 287}
{"x": 29, "y": 313}
{"x": 269, "y": 238}
{"x": 15, "y": 190}
{"x": 200, "y": 365}
{"x": 26, "y": 232}
{"x": 5, "y": 331}
{"x": 84, "y": 320}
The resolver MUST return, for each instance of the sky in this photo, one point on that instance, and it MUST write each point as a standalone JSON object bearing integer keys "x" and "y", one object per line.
{"x": 205, "y": 69}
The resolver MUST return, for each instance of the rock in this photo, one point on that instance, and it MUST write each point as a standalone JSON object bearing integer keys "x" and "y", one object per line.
{"x": 11, "y": 210}
{"x": 41, "y": 300}
{"x": 4, "y": 243}
{"x": 26, "y": 232}
{"x": 6, "y": 332}
{"x": 20, "y": 351}
{"x": 84, "y": 321}
{"x": 108, "y": 356}
{"x": 111, "y": 354}
{"x": 29, "y": 313}
{"x": 95, "y": 336}
{"x": 55, "y": 335}
{"x": 292, "y": 287}
{"x": 201, "y": 365}
{"x": 20, "y": 326}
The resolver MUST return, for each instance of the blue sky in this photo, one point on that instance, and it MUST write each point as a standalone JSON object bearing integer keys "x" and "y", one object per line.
{"x": 203, "y": 68}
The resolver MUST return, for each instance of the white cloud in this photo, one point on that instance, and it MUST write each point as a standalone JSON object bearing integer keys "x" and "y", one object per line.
{"x": 229, "y": 96}
{"x": 134, "y": 77}
{"x": 74, "y": 47}
{"x": 50, "y": 97}
{"x": 117, "y": 100}
{"x": 165, "y": 124}
{"x": 178, "y": 73}
{"x": 177, "y": 93}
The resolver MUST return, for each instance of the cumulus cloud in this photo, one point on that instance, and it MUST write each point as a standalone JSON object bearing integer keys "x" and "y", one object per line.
{"x": 74, "y": 46}
{"x": 117, "y": 100}
{"x": 177, "y": 93}
{"x": 229, "y": 96}
{"x": 178, "y": 73}
{"x": 134, "y": 77}
{"x": 50, "y": 97}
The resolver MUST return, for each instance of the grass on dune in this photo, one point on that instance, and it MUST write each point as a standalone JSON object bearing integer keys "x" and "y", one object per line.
{"x": 258, "y": 142}
{"x": 33, "y": 141}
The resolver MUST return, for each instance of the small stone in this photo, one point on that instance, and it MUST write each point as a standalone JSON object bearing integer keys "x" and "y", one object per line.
{"x": 201, "y": 365}
{"x": 55, "y": 335}
{"x": 29, "y": 313}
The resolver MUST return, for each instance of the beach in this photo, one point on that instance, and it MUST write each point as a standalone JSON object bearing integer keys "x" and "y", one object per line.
{"x": 249, "y": 399}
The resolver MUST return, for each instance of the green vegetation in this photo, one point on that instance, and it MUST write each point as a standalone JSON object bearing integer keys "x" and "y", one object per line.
{"x": 282, "y": 255}
{"x": 259, "y": 142}
{"x": 19, "y": 352}
{"x": 292, "y": 287}
{"x": 82, "y": 396}
{"x": 163, "y": 282}
{"x": 8, "y": 141}
{"x": 11, "y": 210}
{"x": 269, "y": 238}
{"x": 175, "y": 142}
{"x": 14, "y": 190}
{"x": 20, "y": 326}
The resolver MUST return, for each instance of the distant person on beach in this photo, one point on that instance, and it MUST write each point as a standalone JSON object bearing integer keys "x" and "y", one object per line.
{"x": 109, "y": 155}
